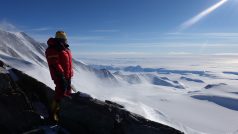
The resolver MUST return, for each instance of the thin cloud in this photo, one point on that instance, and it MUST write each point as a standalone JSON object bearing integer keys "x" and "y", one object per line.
{"x": 87, "y": 38}
{"x": 39, "y": 29}
{"x": 106, "y": 31}
{"x": 222, "y": 34}
{"x": 113, "y": 54}
{"x": 208, "y": 35}
{"x": 226, "y": 54}
{"x": 201, "y": 15}
{"x": 7, "y": 26}
{"x": 179, "y": 53}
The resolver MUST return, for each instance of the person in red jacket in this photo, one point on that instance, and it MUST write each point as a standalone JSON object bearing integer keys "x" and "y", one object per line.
{"x": 59, "y": 60}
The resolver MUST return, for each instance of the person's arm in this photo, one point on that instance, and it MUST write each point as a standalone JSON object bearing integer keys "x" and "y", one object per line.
{"x": 56, "y": 69}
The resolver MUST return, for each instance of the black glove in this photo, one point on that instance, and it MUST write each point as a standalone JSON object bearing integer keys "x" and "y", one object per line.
{"x": 64, "y": 83}
{"x": 68, "y": 84}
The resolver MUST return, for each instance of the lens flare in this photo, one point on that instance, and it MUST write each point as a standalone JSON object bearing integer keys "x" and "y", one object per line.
{"x": 201, "y": 15}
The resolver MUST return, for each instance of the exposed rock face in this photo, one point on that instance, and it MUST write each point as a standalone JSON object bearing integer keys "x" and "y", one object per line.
{"x": 24, "y": 101}
{"x": 209, "y": 86}
{"x": 85, "y": 115}
{"x": 17, "y": 112}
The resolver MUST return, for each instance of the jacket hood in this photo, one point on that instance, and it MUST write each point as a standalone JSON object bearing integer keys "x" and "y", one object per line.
{"x": 51, "y": 42}
{"x": 54, "y": 42}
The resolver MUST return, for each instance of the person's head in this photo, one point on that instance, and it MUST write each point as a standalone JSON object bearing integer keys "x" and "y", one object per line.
{"x": 61, "y": 36}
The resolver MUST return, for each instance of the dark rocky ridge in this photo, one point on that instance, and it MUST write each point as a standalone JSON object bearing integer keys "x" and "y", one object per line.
{"x": 24, "y": 101}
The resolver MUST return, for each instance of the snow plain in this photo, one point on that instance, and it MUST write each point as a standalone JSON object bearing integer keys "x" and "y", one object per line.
{"x": 207, "y": 104}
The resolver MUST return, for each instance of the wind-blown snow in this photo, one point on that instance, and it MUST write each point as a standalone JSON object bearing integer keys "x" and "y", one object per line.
{"x": 167, "y": 89}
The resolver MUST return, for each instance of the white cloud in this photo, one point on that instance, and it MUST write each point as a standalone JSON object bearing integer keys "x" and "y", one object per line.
{"x": 222, "y": 34}
{"x": 226, "y": 54}
{"x": 7, "y": 26}
{"x": 115, "y": 54}
{"x": 106, "y": 30}
{"x": 201, "y": 15}
{"x": 40, "y": 29}
{"x": 208, "y": 35}
{"x": 179, "y": 53}
{"x": 87, "y": 38}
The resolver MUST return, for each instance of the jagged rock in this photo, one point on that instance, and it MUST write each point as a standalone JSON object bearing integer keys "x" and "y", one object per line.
{"x": 131, "y": 78}
{"x": 192, "y": 80}
{"x": 209, "y": 86}
{"x": 1, "y": 63}
{"x": 17, "y": 114}
{"x": 86, "y": 115}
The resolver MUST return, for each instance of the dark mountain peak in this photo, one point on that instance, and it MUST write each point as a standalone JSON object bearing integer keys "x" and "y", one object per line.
{"x": 118, "y": 73}
{"x": 133, "y": 69}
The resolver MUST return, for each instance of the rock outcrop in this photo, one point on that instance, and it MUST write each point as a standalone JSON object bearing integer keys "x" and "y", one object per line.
{"x": 84, "y": 115}
{"x": 25, "y": 104}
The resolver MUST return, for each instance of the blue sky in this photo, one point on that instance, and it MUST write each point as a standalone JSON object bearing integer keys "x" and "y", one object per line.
{"x": 129, "y": 27}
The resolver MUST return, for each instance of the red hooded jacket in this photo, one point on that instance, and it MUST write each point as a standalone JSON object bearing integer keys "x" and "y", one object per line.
{"x": 59, "y": 59}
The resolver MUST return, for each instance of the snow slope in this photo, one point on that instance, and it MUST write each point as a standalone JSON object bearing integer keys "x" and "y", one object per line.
{"x": 19, "y": 50}
{"x": 194, "y": 97}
